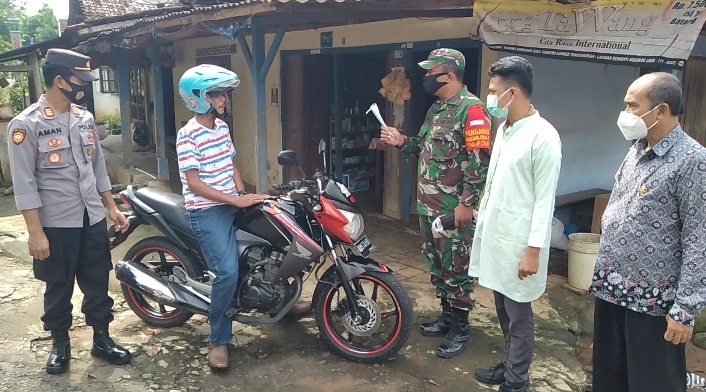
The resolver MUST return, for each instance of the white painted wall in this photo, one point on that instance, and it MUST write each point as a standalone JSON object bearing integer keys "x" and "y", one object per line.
{"x": 104, "y": 104}
{"x": 582, "y": 100}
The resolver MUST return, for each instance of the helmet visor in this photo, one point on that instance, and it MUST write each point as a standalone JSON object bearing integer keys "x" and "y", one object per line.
{"x": 223, "y": 87}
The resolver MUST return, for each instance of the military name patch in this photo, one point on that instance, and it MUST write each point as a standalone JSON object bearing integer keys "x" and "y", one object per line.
{"x": 476, "y": 133}
{"x": 49, "y": 132}
{"x": 18, "y": 136}
{"x": 48, "y": 112}
{"x": 54, "y": 157}
{"x": 54, "y": 142}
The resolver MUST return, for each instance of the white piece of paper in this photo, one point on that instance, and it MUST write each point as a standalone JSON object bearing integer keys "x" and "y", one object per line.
{"x": 376, "y": 111}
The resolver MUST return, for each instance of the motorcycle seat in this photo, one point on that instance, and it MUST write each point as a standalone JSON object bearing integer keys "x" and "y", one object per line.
{"x": 167, "y": 204}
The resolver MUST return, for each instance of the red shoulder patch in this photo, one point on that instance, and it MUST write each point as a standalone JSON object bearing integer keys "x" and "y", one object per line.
{"x": 476, "y": 132}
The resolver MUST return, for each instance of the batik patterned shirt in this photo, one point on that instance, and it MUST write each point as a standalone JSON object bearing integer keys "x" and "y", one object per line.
{"x": 652, "y": 256}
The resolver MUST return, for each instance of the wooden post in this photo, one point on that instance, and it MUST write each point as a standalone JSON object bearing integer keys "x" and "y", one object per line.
{"x": 160, "y": 133}
{"x": 259, "y": 65}
{"x": 123, "y": 76}
{"x": 33, "y": 77}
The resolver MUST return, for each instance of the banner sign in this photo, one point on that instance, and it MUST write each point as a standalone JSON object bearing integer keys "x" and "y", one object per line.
{"x": 657, "y": 33}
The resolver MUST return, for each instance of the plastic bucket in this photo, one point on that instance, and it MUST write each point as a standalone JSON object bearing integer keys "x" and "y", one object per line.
{"x": 583, "y": 252}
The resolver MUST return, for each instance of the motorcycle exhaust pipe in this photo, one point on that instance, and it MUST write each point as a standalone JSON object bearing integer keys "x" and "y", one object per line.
{"x": 139, "y": 278}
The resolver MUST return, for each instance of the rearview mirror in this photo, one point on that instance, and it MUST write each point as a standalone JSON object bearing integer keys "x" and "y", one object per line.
{"x": 287, "y": 158}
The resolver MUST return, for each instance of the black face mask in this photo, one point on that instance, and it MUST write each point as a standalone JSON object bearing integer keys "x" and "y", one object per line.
{"x": 431, "y": 85}
{"x": 78, "y": 93}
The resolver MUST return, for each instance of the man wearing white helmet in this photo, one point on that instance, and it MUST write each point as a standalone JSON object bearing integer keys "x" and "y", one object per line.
{"x": 212, "y": 186}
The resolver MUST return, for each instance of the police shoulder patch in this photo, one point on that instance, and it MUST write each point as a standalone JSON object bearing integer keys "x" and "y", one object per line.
{"x": 18, "y": 136}
{"x": 476, "y": 132}
{"x": 48, "y": 112}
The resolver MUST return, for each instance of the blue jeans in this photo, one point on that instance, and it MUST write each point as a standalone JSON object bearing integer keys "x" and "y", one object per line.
{"x": 213, "y": 227}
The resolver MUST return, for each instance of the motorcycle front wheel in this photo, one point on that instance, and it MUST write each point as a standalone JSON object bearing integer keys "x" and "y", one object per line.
{"x": 382, "y": 326}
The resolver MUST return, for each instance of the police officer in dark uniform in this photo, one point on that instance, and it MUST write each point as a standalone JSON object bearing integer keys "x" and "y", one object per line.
{"x": 58, "y": 173}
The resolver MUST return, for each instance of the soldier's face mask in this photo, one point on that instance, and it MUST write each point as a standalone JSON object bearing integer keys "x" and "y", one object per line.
{"x": 432, "y": 85}
{"x": 78, "y": 92}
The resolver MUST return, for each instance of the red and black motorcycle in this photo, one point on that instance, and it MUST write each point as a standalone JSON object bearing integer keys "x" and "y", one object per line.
{"x": 281, "y": 243}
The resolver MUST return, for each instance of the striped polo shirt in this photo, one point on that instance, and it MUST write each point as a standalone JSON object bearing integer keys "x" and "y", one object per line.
{"x": 211, "y": 152}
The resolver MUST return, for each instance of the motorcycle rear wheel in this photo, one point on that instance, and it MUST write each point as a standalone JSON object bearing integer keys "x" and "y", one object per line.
{"x": 324, "y": 296}
{"x": 156, "y": 316}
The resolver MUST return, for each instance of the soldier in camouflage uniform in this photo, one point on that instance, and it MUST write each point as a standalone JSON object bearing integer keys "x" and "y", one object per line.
{"x": 453, "y": 147}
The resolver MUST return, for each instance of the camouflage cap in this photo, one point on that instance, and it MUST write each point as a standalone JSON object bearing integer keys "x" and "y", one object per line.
{"x": 444, "y": 56}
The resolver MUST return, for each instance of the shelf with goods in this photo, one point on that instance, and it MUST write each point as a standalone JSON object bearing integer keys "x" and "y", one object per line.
{"x": 359, "y": 161}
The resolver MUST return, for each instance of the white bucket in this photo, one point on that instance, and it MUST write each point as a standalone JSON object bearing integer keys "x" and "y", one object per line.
{"x": 583, "y": 252}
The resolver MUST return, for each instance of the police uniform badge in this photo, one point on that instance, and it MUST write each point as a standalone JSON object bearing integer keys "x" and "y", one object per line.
{"x": 54, "y": 142}
{"x": 90, "y": 137}
{"x": 75, "y": 111}
{"x": 54, "y": 157}
{"x": 18, "y": 136}
{"x": 79, "y": 95}
{"x": 48, "y": 112}
{"x": 89, "y": 152}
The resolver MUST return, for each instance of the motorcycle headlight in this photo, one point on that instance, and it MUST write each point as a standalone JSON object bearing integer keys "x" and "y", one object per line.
{"x": 355, "y": 225}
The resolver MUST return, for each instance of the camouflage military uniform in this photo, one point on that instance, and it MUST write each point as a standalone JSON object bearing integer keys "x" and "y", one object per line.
{"x": 448, "y": 175}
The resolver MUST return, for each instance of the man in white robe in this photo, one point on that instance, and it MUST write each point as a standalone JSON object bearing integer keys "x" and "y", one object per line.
{"x": 510, "y": 249}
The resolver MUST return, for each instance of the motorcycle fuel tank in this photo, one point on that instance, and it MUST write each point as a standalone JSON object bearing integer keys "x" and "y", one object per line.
{"x": 254, "y": 221}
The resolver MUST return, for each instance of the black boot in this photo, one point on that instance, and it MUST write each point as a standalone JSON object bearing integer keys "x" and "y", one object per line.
{"x": 493, "y": 376}
{"x": 58, "y": 362}
{"x": 440, "y": 326}
{"x": 104, "y": 347}
{"x": 505, "y": 387}
{"x": 458, "y": 337}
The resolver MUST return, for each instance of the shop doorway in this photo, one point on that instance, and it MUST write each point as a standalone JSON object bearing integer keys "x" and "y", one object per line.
{"x": 309, "y": 111}
{"x": 309, "y": 115}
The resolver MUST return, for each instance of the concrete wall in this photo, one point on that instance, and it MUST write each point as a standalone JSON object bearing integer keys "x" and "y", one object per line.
{"x": 243, "y": 103}
{"x": 582, "y": 100}
{"x": 105, "y": 104}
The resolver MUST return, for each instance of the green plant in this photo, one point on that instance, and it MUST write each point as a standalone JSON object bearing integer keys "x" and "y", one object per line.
{"x": 5, "y": 97}
{"x": 111, "y": 121}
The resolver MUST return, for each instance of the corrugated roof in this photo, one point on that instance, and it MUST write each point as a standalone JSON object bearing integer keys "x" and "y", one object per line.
{"x": 175, "y": 14}
{"x": 100, "y": 9}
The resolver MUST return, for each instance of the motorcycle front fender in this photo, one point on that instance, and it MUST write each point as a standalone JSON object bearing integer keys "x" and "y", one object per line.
{"x": 353, "y": 266}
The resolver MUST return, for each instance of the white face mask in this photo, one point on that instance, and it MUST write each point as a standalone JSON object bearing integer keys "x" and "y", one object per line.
{"x": 632, "y": 126}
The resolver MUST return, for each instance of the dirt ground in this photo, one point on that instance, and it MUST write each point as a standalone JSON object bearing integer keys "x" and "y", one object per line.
{"x": 284, "y": 357}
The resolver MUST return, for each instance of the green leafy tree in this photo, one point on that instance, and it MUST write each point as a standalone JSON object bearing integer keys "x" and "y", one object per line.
{"x": 40, "y": 27}
{"x": 8, "y": 9}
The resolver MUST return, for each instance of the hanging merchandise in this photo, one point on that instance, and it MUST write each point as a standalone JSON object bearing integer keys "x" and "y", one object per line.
{"x": 396, "y": 87}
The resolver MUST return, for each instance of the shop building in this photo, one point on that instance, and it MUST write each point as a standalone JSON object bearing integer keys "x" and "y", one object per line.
{"x": 309, "y": 71}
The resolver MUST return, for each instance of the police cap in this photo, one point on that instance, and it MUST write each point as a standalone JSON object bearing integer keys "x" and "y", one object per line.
{"x": 76, "y": 63}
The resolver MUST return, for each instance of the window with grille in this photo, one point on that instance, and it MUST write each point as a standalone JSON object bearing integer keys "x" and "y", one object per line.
{"x": 107, "y": 81}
